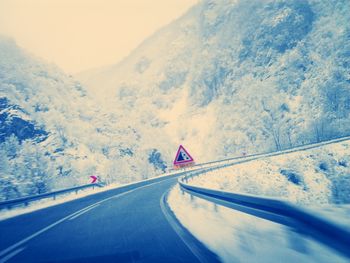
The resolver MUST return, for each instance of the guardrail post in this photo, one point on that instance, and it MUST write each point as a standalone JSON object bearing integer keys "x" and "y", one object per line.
{"x": 182, "y": 191}
{"x": 216, "y": 207}
{"x": 192, "y": 198}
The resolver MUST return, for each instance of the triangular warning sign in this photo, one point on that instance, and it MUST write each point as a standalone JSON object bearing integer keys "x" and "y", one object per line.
{"x": 182, "y": 156}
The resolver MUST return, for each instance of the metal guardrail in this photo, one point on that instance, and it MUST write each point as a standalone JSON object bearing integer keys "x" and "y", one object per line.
{"x": 279, "y": 211}
{"x": 231, "y": 161}
{"x": 27, "y": 199}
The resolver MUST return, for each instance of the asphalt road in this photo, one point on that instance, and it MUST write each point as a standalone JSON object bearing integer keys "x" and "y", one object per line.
{"x": 121, "y": 225}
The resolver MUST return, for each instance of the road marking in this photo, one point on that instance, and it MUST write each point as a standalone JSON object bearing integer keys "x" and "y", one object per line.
{"x": 41, "y": 231}
{"x": 187, "y": 238}
{"x": 19, "y": 243}
{"x": 246, "y": 158}
{"x": 11, "y": 255}
{"x": 83, "y": 212}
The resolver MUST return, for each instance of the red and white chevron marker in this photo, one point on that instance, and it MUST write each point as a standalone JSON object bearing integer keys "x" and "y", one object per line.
{"x": 94, "y": 178}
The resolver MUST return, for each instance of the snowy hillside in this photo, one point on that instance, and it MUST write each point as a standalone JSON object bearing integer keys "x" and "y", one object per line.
{"x": 317, "y": 180}
{"x": 311, "y": 177}
{"x": 227, "y": 78}
{"x": 54, "y": 135}
{"x": 237, "y": 76}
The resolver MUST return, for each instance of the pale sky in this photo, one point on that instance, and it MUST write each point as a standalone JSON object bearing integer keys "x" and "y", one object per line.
{"x": 82, "y": 34}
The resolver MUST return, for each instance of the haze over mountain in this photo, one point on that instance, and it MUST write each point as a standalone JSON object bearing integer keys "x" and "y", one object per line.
{"x": 227, "y": 78}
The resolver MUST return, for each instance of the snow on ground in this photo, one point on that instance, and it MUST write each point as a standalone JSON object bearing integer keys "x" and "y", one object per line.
{"x": 238, "y": 237}
{"x": 318, "y": 179}
{"x": 311, "y": 177}
{"x": 339, "y": 214}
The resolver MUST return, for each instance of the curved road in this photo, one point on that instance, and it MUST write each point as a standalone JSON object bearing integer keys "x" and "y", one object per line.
{"x": 121, "y": 225}
{"x": 126, "y": 224}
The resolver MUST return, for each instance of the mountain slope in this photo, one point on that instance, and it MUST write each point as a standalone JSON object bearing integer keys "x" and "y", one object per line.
{"x": 53, "y": 134}
{"x": 238, "y": 76}
{"x": 225, "y": 79}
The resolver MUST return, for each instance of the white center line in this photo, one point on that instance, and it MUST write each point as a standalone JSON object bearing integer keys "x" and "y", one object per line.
{"x": 3, "y": 252}
{"x": 11, "y": 255}
{"x": 39, "y": 232}
{"x": 83, "y": 212}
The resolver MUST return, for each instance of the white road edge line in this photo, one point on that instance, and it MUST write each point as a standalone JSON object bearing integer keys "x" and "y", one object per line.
{"x": 81, "y": 213}
{"x": 178, "y": 229}
{"x": 11, "y": 255}
{"x": 19, "y": 243}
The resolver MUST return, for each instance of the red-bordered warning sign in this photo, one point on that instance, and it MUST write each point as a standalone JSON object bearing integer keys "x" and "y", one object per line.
{"x": 183, "y": 158}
